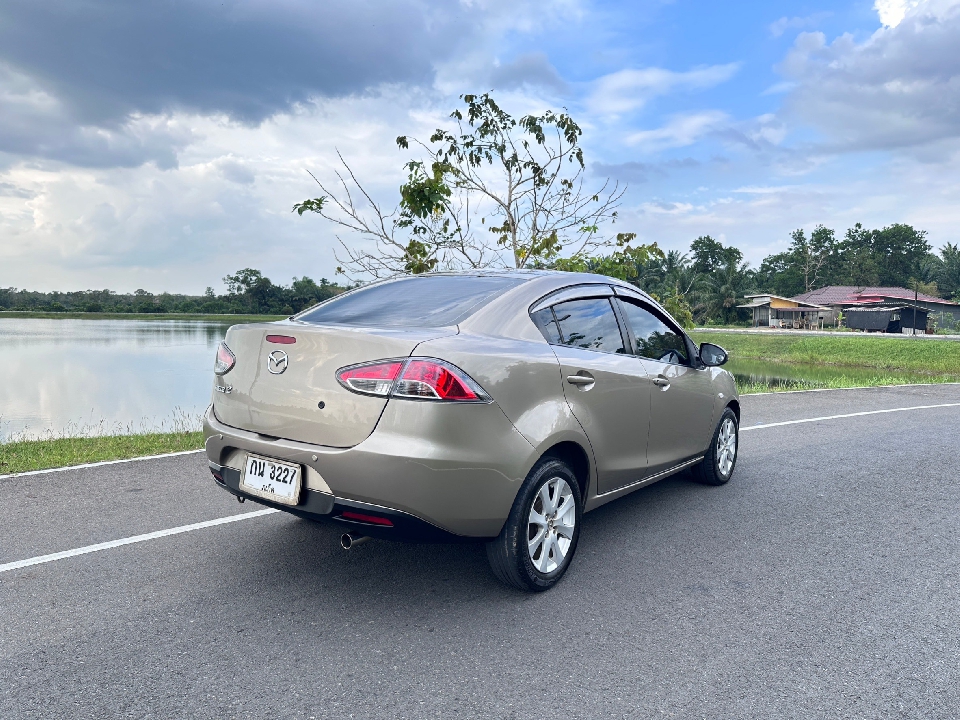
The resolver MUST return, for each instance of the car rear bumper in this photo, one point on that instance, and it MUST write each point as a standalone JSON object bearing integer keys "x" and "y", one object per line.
{"x": 322, "y": 507}
{"x": 438, "y": 472}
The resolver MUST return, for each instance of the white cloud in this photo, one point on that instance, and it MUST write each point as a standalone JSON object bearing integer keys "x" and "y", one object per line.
{"x": 225, "y": 205}
{"x": 680, "y": 131}
{"x": 899, "y": 88}
{"x": 628, "y": 90}
{"x": 759, "y": 218}
{"x": 891, "y": 12}
{"x": 780, "y": 26}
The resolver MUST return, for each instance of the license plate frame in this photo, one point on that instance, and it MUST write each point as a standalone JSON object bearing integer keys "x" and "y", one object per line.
{"x": 262, "y": 474}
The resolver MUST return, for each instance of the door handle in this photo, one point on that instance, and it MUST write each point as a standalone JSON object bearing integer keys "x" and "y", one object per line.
{"x": 580, "y": 380}
{"x": 661, "y": 382}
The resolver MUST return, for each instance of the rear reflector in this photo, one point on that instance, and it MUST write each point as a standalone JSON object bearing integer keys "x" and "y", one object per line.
{"x": 372, "y": 519}
{"x": 372, "y": 378}
{"x": 225, "y": 360}
{"x": 281, "y": 339}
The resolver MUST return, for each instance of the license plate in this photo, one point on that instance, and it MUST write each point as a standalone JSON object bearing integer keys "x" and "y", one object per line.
{"x": 271, "y": 479}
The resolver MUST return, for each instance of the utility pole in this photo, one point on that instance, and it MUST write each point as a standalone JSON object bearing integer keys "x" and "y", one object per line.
{"x": 914, "y": 323}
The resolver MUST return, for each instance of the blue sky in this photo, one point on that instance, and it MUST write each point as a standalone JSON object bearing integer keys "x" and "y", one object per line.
{"x": 162, "y": 144}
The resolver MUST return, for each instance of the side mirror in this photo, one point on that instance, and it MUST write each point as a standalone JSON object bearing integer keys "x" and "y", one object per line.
{"x": 712, "y": 355}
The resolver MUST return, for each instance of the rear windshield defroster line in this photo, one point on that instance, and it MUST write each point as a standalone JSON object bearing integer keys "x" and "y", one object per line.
{"x": 419, "y": 301}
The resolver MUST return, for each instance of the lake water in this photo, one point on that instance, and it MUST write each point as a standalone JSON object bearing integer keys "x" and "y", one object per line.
{"x": 84, "y": 376}
{"x": 81, "y": 376}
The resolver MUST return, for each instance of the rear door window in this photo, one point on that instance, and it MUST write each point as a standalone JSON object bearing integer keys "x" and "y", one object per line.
{"x": 589, "y": 324}
{"x": 653, "y": 338}
{"x": 418, "y": 301}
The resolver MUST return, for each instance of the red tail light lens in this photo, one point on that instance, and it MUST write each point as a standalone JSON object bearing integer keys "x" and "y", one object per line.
{"x": 371, "y": 379}
{"x": 225, "y": 360}
{"x": 281, "y": 339}
{"x": 420, "y": 379}
{"x": 435, "y": 380}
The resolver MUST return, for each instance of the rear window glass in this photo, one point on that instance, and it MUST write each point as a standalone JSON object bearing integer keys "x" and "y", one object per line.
{"x": 420, "y": 301}
{"x": 589, "y": 324}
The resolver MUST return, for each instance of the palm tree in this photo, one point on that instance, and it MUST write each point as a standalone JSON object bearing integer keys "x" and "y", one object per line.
{"x": 723, "y": 291}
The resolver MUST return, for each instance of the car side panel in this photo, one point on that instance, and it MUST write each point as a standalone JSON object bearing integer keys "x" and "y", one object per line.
{"x": 524, "y": 379}
{"x": 681, "y": 413}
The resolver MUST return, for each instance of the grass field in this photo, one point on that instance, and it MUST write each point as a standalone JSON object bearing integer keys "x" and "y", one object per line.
{"x": 933, "y": 357}
{"x": 138, "y": 316}
{"x": 764, "y": 363}
{"x": 23, "y": 456}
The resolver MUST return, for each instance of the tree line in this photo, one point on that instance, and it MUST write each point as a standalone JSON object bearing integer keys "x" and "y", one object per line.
{"x": 706, "y": 284}
{"x": 702, "y": 286}
{"x": 248, "y": 292}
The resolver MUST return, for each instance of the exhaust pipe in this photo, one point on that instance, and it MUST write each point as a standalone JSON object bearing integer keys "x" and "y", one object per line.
{"x": 348, "y": 540}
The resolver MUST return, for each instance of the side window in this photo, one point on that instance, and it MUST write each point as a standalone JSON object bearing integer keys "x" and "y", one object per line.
{"x": 590, "y": 324}
{"x": 654, "y": 338}
{"x": 548, "y": 325}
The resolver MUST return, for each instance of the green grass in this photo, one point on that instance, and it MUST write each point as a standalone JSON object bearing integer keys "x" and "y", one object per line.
{"x": 25, "y": 455}
{"x": 836, "y": 383}
{"x": 27, "y": 314}
{"x": 810, "y": 362}
{"x": 889, "y": 354}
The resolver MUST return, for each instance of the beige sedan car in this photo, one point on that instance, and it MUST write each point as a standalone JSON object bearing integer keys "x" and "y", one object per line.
{"x": 490, "y": 406}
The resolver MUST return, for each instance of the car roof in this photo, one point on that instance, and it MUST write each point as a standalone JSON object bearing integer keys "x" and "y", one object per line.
{"x": 507, "y": 314}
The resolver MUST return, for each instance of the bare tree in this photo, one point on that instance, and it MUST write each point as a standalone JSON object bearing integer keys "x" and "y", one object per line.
{"x": 496, "y": 192}
{"x": 403, "y": 240}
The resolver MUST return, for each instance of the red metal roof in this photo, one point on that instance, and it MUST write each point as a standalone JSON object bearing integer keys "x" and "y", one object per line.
{"x": 850, "y": 294}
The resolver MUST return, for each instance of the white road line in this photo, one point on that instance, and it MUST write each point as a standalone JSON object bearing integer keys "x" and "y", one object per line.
{"x": 39, "y": 560}
{"x": 100, "y": 464}
{"x": 16, "y": 565}
{"x": 846, "y": 415}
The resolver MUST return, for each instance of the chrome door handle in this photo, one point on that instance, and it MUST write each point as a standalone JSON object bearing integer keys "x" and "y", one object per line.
{"x": 661, "y": 382}
{"x": 580, "y": 380}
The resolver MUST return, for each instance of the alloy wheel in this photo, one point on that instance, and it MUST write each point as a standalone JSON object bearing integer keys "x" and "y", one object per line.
{"x": 726, "y": 447}
{"x": 550, "y": 527}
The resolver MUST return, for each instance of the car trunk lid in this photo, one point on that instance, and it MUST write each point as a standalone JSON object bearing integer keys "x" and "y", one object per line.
{"x": 282, "y": 398}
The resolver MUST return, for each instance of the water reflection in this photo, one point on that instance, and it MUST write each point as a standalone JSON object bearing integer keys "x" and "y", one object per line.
{"x": 70, "y": 375}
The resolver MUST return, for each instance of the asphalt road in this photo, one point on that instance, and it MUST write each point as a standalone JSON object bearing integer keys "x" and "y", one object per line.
{"x": 822, "y": 581}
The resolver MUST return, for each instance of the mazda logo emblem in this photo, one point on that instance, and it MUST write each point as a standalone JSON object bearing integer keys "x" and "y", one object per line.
{"x": 277, "y": 362}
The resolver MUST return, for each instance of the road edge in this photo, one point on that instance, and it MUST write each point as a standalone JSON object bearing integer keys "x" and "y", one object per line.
{"x": 100, "y": 464}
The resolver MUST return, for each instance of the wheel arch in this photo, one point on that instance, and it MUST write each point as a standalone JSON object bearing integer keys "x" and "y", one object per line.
{"x": 735, "y": 406}
{"x": 576, "y": 456}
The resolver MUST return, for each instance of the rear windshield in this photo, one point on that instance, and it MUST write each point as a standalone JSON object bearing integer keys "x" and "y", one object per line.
{"x": 420, "y": 301}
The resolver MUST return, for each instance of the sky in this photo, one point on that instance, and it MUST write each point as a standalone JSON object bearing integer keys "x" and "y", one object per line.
{"x": 162, "y": 145}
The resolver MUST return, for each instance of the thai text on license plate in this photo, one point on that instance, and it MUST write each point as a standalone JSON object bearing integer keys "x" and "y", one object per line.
{"x": 271, "y": 479}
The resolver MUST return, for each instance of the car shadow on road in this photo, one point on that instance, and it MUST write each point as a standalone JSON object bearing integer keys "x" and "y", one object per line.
{"x": 289, "y": 556}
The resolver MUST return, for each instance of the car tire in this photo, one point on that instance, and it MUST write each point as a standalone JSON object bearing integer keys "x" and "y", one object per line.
{"x": 718, "y": 464}
{"x": 540, "y": 536}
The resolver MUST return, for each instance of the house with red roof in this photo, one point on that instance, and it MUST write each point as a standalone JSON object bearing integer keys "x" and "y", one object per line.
{"x": 840, "y": 298}
{"x": 818, "y": 308}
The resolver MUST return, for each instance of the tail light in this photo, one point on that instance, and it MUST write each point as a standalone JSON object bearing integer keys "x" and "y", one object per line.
{"x": 415, "y": 379}
{"x": 370, "y": 378}
{"x": 225, "y": 360}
